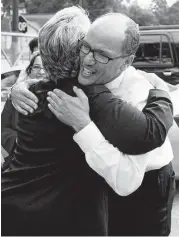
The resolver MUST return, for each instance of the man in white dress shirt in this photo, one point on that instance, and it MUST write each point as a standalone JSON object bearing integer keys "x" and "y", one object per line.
{"x": 147, "y": 180}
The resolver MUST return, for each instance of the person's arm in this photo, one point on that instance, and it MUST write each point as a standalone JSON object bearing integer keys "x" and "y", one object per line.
{"x": 8, "y": 132}
{"x": 22, "y": 98}
{"x": 149, "y": 129}
{"x": 124, "y": 173}
{"x": 126, "y": 127}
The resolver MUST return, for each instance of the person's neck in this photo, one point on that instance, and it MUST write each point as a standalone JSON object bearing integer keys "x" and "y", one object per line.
{"x": 116, "y": 77}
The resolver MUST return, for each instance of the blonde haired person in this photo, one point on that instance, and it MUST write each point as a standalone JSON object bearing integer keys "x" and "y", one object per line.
{"x": 48, "y": 188}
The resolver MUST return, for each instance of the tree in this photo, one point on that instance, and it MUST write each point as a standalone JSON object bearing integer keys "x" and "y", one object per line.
{"x": 94, "y": 7}
{"x": 159, "y": 6}
{"x": 164, "y": 14}
{"x": 47, "y": 6}
{"x": 97, "y": 8}
{"x": 161, "y": 10}
{"x": 174, "y": 13}
{"x": 6, "y": 7}
{"x": 141, "y": 16}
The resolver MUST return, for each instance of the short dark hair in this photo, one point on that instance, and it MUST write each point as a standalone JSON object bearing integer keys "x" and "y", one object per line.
{"x": 33, "y": 44}
{"x": 29, "y": 67}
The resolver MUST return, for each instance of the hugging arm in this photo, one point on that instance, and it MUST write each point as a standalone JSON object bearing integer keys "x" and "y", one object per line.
{"x": 103, "y": 157}
{"x": 130, "y": 130}
{"x": 123, "y": 127}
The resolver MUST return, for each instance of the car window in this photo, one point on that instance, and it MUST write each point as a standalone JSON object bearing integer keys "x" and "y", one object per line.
{"x": 177, "y": 49}
{"x": 149, "y": 51}
{"x": 166, "y": 57}
{"x": 153, "y": 50}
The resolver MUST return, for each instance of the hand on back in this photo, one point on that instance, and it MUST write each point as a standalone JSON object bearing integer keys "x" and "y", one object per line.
{"x": 23, "y": 100}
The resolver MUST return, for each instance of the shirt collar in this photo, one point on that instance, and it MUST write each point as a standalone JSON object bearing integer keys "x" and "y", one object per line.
{"x": 115, "y": 83}
{"x": 112, "y": 85}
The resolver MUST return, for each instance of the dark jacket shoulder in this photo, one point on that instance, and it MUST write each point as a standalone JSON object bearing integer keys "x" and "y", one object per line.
{"x": 41, "y": 89}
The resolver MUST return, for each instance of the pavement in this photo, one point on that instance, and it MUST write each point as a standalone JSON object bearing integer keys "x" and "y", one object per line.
{"x": 175, "y": 214}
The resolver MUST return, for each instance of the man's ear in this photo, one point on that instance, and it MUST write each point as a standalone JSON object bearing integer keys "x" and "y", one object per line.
{"x": 127, "y": 62}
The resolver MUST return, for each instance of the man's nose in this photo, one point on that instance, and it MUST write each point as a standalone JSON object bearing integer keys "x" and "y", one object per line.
{"x": 89, "y": 59}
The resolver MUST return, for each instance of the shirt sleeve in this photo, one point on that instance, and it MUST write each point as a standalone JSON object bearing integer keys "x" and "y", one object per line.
{"x": 124, "y": 173}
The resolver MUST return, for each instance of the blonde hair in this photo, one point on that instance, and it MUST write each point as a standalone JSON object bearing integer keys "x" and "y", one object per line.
{"x": 59, "y": 42}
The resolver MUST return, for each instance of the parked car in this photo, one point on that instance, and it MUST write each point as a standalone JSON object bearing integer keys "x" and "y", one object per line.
{"x": 159, "y": 52}
{"x": 9, "y": 78}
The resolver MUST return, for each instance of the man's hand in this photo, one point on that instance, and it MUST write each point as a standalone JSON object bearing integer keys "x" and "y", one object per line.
{"x": 73, "y": 111}
{"x": 23, "y": 100}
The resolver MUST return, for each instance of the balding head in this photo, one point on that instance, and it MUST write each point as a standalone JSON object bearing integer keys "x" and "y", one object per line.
{"x": 121, "y": 29}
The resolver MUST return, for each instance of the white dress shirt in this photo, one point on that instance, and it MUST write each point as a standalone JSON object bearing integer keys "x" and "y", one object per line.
{"x": 124, "y": 173}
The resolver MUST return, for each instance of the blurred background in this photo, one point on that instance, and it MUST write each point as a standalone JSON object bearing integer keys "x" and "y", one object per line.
{"x": 150, "y": 12}
{"x": 27, "y": 16}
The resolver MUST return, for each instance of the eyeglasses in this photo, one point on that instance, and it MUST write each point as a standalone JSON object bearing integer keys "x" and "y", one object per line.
{"x": 98, "y": 56}
{"x": 37, "y": 68}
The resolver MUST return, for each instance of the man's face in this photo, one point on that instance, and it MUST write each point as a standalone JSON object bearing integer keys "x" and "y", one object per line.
{"x": 106, "y": 42}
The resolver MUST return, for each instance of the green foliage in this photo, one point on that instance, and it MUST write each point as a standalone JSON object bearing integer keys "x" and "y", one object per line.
{"x": 160, "y": 9}
{"x": 159, "y": 12}
{"x": 6, "y": 7}
{"x": 47, "y": 6}
{"x": 5, "y": 26}
{"x": 159, "y": 6}
{"x": 165, "y": 15}
{"x": 142, "y": 16}
{"x": 97, "y": 8}
{"x": 174, "y": 13}
{"x": 94, "y": 7}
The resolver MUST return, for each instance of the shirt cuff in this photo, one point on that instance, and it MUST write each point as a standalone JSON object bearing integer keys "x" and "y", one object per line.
{"x": 89, "y": 137}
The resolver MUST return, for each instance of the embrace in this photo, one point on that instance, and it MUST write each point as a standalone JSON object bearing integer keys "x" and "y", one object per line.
{"x": 92, "y": 156}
